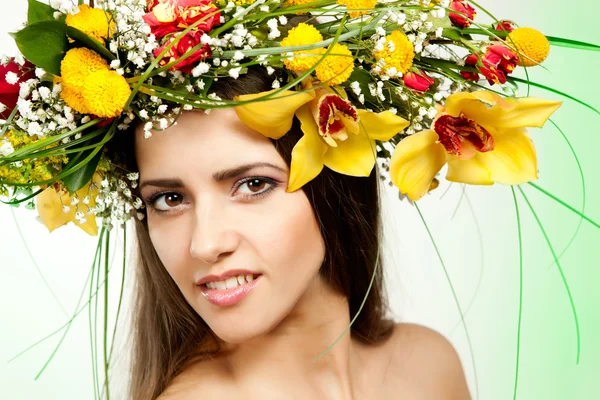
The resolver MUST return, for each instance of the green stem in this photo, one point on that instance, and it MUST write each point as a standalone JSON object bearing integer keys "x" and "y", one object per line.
{"x": 520, "y": 316}
{"x": 560, "y": 270}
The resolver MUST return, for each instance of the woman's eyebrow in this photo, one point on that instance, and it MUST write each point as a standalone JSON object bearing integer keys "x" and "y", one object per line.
{"x": 174, "y": 183}
{"x": 237, "y": 171}
{"x": 167, "y": 183}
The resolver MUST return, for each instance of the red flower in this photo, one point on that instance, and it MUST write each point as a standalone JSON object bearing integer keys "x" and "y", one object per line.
{"x": 417, "y": 81}
{"x": 504, "y": 25}
{"x": 11, "y": 76}
{"x": 464, "y": 13}
{"x": 497, "y": 62}
{"x": 191, "y": 39}
{"x": 168, "y": 16}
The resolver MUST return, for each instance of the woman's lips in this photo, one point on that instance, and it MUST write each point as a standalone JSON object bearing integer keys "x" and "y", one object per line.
{"x": 228, "y": 297}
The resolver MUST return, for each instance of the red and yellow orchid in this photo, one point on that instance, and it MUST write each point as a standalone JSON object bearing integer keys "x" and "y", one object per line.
{"x": 51, "y": 207}
{"x": 482, "y": 138}
{"x": 336, "y": 134}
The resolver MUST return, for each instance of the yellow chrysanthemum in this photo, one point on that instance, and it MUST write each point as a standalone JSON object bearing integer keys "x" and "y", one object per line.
{"x": 75, "y": 67}
{"x": 399, "y": 54}
{"x": 243, "y": 2}
{"x": 357, "y": 5}
{"x": 78, "y": 64}
{"x": 531, "y": 45}
{"x": 106, "y": 93}
{"x": 301, "y": 35}
{"x": 337, "y": 67}
{"x": 94, "y": 22}
{"x": 74, "y": 99}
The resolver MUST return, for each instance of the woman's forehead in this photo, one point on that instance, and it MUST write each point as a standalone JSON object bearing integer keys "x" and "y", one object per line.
{"x": 202, "y": 142}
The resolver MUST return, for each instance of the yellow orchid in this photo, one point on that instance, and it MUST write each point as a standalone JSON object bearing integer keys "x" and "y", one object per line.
{"x": 51, "y": 205}
{"x": 336, "y": 134}
{"x": 482, "y": 138}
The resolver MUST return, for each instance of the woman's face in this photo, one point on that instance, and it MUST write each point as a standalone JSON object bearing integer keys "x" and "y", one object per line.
{"x": 216, "y": 199}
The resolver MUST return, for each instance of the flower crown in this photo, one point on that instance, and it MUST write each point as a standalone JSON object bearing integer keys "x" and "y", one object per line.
{"x": 401, "y": 82}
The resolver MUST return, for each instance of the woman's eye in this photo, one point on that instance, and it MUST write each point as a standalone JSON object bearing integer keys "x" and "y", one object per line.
{"x": 255, "y": 187}
{"x": 167, "y": 201}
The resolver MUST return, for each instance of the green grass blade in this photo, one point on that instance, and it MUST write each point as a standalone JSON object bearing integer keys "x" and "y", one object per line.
{"x": 583, "y": 190}
{"x": 64, "y": 334}
{"x": 455, "y": 299}
{"x": 105, "y": 330}
{"x": 568, "y": 96}
{"x": 572, "y": 44}
{"x": 35, "y": 264}
{"x": 114, "y": 334}
{"x": 520, "y": 316}
{"x": 560, "y": 270}
{"x": 564, "y": 204}
{"x": 481, "y": 260}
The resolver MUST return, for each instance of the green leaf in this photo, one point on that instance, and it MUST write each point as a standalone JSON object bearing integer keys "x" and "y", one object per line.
{"x": 44, "y": 44}
{"x": 573, "y": 44}
{"x": 38, "y": 12}
{"x": 89, "y": 42}
{"x": 82, "y": 176}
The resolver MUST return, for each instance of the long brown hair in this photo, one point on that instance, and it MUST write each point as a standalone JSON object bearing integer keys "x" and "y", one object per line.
{"x": 168, "y": 334}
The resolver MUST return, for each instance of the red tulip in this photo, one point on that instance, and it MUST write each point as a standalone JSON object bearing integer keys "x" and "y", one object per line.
{"x": 417, "y": 80}
{"x": 497, "y": 62}
{"x": 505, "y": 25}
{"x": 464, "y": 13}
{"x": 11, "y": 75}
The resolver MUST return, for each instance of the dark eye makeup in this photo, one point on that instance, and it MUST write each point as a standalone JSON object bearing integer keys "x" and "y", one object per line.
{"x": 251, "y": 181}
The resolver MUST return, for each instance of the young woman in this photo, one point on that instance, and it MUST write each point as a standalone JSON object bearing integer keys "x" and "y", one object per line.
{"x": 241, "y": 285}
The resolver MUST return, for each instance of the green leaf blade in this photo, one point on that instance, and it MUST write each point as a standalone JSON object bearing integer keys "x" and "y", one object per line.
{"x": 38, "y": 12}
{"x": 89, "y": 42}
{"x": 44, "y": 44}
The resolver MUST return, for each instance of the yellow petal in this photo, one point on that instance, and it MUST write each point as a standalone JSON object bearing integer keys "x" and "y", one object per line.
{"x": 415, "y": 162}
{"x": 307, "y": 155}
{"x": 524, "y": 112}
{"x": 273, "y": 117}
{"x": 381, "y": 126}
{"x": 470, "y": 171}
{"x": 50, "y": 209}
{"x": 513, "y": 160}
{"x": 354, "y": 156}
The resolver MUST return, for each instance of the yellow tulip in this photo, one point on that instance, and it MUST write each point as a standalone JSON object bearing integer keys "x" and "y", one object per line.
{"x": 50, "y": 205}
{"x": 336, "y": 134}
{"x": 482, "y": 138}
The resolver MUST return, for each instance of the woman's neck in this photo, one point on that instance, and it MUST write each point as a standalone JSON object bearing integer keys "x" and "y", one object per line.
{"x": 288, "y": 352}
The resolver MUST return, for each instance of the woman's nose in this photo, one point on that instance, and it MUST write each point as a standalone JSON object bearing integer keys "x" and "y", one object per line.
{"x": 212, "y": 234}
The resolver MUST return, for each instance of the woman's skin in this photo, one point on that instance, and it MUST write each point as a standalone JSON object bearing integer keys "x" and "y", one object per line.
{"x": 210, "y": 223}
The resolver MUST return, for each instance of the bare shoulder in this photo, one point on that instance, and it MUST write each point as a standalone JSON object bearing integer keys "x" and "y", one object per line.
{"x": 205, "y": 378}
{"x": 430, "y": 362}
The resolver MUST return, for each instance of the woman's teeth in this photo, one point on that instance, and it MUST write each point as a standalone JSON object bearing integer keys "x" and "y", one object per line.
{"x": 229, "y": 283}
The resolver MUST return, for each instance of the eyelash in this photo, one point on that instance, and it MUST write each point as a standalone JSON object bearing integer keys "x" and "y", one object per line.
{"x": 274, "y": 184}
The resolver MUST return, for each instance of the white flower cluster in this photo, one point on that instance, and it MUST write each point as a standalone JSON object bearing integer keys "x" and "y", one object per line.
{"x": 115, "y": 201}
{"x": 133, "y": 36}
{"x": 42, "y": 112}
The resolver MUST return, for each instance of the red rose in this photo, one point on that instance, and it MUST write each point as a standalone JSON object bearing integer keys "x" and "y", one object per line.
{"x": 417, "y": 81}
{"x": 11, "y": 76}
{"x": 464, "y": 13}
{"x": 190, "y": 40}
{"x": 168, "y": 16}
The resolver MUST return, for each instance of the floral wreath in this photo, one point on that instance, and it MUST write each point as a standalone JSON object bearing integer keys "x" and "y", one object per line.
{"x": 400, "y": 82}
{"x": 409, "y": 85}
